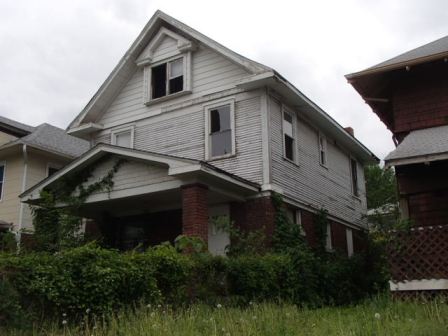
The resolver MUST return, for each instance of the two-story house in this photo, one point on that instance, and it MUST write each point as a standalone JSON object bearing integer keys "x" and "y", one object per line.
{"x": 409, "y": 94}
{"x": 27, "y": 156}
{"x": 207, "y": 132}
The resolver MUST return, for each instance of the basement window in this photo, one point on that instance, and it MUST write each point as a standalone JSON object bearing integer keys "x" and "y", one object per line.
{"x": 354, "y": 176}
{"x": 221, "y": 135}
{"x": 167, "y": 78}
{"x": 288, "y": 136}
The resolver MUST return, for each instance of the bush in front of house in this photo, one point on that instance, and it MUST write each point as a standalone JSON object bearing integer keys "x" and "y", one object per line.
{"x": 94, "y": 280}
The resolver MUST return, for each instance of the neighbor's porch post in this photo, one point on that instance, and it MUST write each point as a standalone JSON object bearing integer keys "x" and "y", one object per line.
{"x": 195, "y": 211}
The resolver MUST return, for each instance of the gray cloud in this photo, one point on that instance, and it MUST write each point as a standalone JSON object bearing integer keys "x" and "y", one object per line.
{"x": 54, "y": 55}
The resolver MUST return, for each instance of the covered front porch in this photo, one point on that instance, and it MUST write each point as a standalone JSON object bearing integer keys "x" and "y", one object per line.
{"x": 154, "y": 198}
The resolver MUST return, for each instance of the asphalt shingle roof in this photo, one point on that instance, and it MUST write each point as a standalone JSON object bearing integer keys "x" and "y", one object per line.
{"x": 433, "y": 48}
{"x": 16, "y": 124}
{"x": 428, "y": 141}
{"x": 53, "y": 139}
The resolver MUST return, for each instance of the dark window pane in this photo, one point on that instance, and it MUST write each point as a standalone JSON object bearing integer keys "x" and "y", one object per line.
{"x": 176, "y": 84}
{"x": 354, "y": 172}
{"x": 158, "y": 81}
{"x": 52, "y": 170}
{"x": 215, "y": 123}
{"x": 1, "y": 190}
{"x": 2, "y": 172}
{"x": 221, "y": 143}
{"x": 289, "y": 147}
{"x": 287, "y": 117}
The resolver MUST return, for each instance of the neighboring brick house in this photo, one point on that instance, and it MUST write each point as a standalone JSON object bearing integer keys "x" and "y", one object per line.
{"x": 207, "y": 132}
{"x": 409, "y": 93}
{"x": 28, "y": 155}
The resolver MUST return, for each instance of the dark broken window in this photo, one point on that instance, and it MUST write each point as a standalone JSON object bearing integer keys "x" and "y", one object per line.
{"x": 288, "y": 136}
{"x": 354, "y": 173}
{"x": 167, "y": 78}
{"x": 220, "y": 131}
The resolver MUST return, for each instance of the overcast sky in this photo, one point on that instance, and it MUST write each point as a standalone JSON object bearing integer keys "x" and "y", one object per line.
{"x": 54, "y": 55}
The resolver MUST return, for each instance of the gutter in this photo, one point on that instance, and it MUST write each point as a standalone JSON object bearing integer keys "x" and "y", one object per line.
{"x": 24, "y": 178}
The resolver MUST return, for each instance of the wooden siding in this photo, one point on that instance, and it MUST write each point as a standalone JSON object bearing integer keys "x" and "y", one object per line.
{"x": 131, "y": 174}
{"x": 5, "y": 138}
{"x": 167, "y": 46}
{"x": 12, "y": 187}
{"x": 182, "y": 133}
{"x": 211, "y": 72}
{"x": 306, "y": 181}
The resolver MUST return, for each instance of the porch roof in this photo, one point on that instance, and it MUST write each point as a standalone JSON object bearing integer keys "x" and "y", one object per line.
{"x": 419, "y": 146}
{"x": 177, "y": 167}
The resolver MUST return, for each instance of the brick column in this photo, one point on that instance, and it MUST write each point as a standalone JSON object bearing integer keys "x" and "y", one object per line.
{"x": 195, "y": 211}
{"x": 253, "y": 215}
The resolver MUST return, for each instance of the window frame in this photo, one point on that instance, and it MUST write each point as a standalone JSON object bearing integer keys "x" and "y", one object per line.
{"x": 323, "y": 148}
{"x": 285, "y": 110}
{"x": 349, "y": 240}
{"x": 186, "y": 73}
{"x": 2, "y": 189}
{"x": 329, "y": 238}
{"x": 354, "y": 181}
{"x": 208, "y": 138}
{"x": 115, "y": 132}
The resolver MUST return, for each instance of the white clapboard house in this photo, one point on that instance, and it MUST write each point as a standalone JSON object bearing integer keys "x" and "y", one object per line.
{"x": 206, "y": 132}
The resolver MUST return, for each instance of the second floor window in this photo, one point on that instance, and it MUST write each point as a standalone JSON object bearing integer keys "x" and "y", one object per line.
{"x": 2, "y": 179}
{"x": 167, "y": 78}
{"x": 123, "y": 138}
{"x": 220, "y": 131}
{"x": 288, "y": 136}
{"x": 322, "y": 150}
{"x": 354, "y": 176}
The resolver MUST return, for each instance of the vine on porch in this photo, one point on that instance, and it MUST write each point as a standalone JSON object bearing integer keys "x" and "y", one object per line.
{"x": 56, "y": 223}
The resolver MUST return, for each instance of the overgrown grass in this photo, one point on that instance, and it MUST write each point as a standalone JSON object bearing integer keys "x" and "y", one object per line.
{"x": 380, "y": 316}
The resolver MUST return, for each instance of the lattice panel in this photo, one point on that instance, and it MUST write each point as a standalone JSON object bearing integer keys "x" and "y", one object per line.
{"x": 421, "y": 253}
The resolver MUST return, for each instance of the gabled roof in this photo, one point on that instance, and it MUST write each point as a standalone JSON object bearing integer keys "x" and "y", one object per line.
{"x": 437, "y": 49}
{"x": 424, "y": 145}
{"x": 261, "y": 76}
{"x": 52, "y": 139}
{"x": 176, "y": 166}
{"x": 15, "y": 128}
{"x": 121, "y": 73}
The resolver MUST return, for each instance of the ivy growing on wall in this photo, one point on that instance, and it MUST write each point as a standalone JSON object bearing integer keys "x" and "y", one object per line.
{"x": 57, "y": 224}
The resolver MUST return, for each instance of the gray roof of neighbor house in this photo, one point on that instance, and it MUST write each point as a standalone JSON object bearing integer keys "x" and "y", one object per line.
{"x": 426, "y": 53}
{"x": 14, "y": 127}
{"x": 424, "y": 145}
{"x": 51, "y": 139}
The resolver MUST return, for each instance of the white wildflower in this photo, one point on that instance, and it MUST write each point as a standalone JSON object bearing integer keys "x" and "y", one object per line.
{"x": 218, "y": 306}
{"x": 64, "y": 314}
{"x": 377, "y": 316}
{"x": 87, "y": 310}
{"x": 148, "y": 305}
{"x": 64, "y": 322}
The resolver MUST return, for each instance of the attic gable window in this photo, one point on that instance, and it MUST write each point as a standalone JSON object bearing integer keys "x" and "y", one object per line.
{"x": 220, "y": 130}
{"x": 167, "y": 78}
{"x": 123, "y": 138}
{"x": 322, "y": 149}
{"x": 2, "y": 178}
{"x": 354, "y": 176}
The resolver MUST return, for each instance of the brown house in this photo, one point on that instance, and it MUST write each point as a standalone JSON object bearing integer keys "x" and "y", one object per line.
{"x": 409, "y": 93}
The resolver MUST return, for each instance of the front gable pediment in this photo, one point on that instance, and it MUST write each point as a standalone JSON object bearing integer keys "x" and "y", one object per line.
{"x": 165, "y": 44}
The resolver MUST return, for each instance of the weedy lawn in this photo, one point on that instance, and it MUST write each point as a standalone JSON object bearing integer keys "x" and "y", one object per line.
{"x": 379, "y": 316}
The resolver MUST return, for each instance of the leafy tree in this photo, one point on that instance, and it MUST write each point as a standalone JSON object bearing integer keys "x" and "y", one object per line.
{"x": 381, "y": 186}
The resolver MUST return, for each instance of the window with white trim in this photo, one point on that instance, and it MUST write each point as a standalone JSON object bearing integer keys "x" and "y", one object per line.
{"x": 329, "y": 241}
{"x": 322, "y": 149}
{"x": 349, "y": 239}
{"x": 295, "y": 217}
{"x": 2, "y": 179}
{"x": 288, "y": 136}
{"x": 220, "y": 130}
{"x": 123, "y": 138}
{"x": 354, "y": 176}
{"x": 167, "y": 78}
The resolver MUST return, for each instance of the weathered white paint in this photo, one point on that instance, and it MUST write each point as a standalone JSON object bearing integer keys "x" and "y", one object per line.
{"x": 307, "y": 180}
{"x": 218, "y": 239}
{"x": 424, "y": 284}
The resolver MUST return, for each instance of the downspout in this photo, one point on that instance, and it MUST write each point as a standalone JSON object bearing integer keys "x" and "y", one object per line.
{"x": 24, "y": 178}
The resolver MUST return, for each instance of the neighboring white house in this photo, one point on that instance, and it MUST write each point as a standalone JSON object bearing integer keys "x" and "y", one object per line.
{"x": 207, "y": 132}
